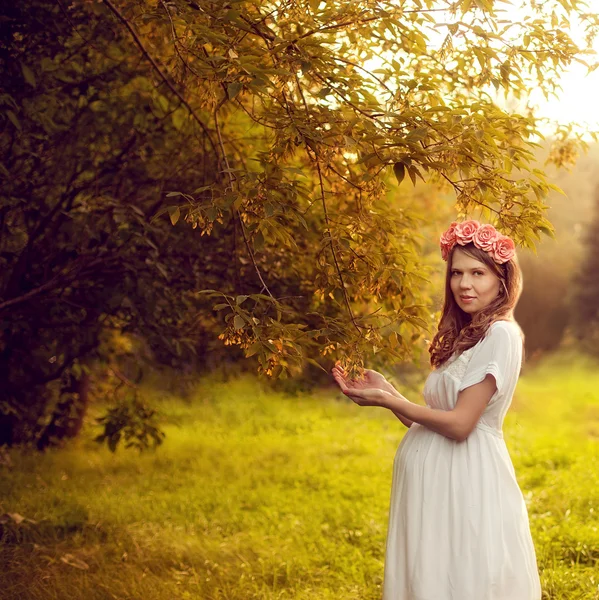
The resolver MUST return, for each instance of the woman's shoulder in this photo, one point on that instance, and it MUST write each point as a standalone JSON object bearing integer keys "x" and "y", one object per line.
{"x": 505, "y": 323}
{"x": 509, "y": 325}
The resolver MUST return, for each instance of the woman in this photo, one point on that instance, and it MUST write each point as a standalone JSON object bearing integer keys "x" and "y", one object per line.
{"x": 458, "y": 524}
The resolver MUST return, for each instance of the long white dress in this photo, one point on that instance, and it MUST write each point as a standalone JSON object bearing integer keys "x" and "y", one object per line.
{"x": 458, "y": 524}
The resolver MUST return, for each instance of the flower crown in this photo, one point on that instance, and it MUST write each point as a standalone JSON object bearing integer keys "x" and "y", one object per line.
{"x": 486, "y": 237}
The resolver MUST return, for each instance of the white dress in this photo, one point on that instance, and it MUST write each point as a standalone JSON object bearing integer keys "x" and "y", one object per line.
{"x": 458, "y": 524}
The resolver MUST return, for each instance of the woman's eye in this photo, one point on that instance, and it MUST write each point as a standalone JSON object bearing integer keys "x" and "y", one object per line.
{"x": 475, "y": 272}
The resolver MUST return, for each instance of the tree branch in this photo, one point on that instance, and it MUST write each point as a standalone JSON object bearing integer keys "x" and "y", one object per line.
{"x": 232, "y": 183}
{"x": 157, "y": 68}
{"x": 326, "y": 218}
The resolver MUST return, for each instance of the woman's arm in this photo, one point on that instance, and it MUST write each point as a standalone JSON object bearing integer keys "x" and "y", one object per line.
{"x": 380, "y": 381}
{"x": 457, "y": 423}
{"x": 389, "y": 388}
{"x": 407, "y": 422}
{"x": 372, "y": 379}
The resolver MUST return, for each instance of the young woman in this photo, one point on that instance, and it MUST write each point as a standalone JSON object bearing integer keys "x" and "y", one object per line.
{"x": 458, "y": 524}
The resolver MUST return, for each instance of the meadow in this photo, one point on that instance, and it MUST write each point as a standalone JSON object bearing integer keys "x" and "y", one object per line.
{"x": 263, "y": 495}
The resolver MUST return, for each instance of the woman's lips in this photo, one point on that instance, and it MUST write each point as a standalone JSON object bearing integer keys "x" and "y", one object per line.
{"x": 467, "y": 299}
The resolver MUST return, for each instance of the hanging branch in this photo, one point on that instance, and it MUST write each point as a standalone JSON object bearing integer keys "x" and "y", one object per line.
{"x": 218, "y": 132}
{"x": 157, "y": 68}
{"x": 326, "y": 218}
{"x": 326, "y": 214}
{"x": 232, "y": 184}
{"x": 66, "y": 276}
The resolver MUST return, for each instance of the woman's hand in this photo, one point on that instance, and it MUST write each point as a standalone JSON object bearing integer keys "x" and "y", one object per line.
{"x": 358, "y": 390}
{"x": 372, "y": 379}
{"x": 376, "y": 379}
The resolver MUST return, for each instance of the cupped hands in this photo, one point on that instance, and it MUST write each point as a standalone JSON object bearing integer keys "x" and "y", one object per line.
{"x": 364, "y": 391}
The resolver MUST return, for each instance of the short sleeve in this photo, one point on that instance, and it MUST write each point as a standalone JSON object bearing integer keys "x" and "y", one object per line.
{"x": 494, "y": 355}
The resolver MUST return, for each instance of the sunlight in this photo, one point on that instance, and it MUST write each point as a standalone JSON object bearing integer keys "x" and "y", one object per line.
{"x": 575, "y": 103}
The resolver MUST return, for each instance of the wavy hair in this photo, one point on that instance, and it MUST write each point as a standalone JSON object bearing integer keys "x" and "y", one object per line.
{"x": 457, "y": 330}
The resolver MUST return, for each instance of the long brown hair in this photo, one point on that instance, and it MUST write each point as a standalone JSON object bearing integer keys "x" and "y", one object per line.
{"x": 457, "y": 330}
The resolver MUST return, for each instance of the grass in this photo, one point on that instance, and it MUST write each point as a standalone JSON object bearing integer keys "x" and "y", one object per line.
{"x": 258, "y": 495}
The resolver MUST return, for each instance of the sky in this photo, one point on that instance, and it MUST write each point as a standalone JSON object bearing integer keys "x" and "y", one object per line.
{"x": 579, "y": 99}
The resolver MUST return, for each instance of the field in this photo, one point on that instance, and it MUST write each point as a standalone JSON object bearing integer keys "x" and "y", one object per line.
{"x": 258, "y": 495}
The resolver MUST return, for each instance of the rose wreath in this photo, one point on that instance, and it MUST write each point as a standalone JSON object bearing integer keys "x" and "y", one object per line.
{"x": 486, "y": 237}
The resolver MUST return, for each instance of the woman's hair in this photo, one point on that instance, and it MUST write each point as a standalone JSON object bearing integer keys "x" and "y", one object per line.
{"x": 457, "y": 330}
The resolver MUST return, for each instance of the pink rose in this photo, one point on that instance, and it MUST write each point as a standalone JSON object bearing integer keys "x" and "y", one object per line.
{"x": 448, "y": 240}
{"x": 465, "y": 231}
{"x": 504, "y": 249}
{"x": 485, "y": 237}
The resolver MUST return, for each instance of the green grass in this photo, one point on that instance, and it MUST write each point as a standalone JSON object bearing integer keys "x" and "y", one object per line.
{"x": 258, "y": 495}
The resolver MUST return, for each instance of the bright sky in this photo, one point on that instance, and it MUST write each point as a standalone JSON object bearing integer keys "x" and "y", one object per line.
{"x": 579, "y": 99}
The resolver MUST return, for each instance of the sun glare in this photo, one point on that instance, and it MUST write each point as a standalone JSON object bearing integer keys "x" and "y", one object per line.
{"x": 578, "y": 100}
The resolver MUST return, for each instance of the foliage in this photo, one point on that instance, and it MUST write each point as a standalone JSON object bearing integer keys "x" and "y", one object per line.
{"x": 164, "y": 159}
{"x": 87, "y": 152}
{"x": 332, "y": 94}
{"x": 586, "y": 298}
{"x": 133, "y": 422}
{"x": 255, "y": 495}
{"x": 547, "y": 309}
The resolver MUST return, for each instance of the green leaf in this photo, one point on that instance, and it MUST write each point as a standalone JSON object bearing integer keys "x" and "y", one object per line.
{"x": 212, "y": 213}
{"x": 324, "y": 92}
{"x": 547, "y": 232}
{"x": 316, "y": 364}
{"x": 174, "y": 213}
{"x": 179, "y": 118}
{"x": 258, "y": 241}
{"x": 163, "y": 103}
{"x": 400, "y": 171}
{"x": 28, "y": 74}
{"x": 233, "y": 89}
{"x": 240, "y": 299}
{"x": 253, "y": 349}
{"x": 238, "y": 322}
{"x": 13, "y": 119}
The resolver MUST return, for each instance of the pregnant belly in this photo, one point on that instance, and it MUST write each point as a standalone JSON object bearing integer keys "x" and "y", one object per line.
{"x": 456, "y": 511}
{"x": 458, "y": 478}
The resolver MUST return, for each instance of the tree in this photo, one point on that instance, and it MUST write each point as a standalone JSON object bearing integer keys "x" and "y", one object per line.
{"x": 86, "y": 153}
{"x": 585, "y": 304}
{"x": 334, "y": 95}
{"x": 546, "y": 307}
{"x": 160, "y": 157}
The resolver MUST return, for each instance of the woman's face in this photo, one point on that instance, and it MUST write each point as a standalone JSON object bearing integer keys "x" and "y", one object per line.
{"x": 470, "y": 277}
